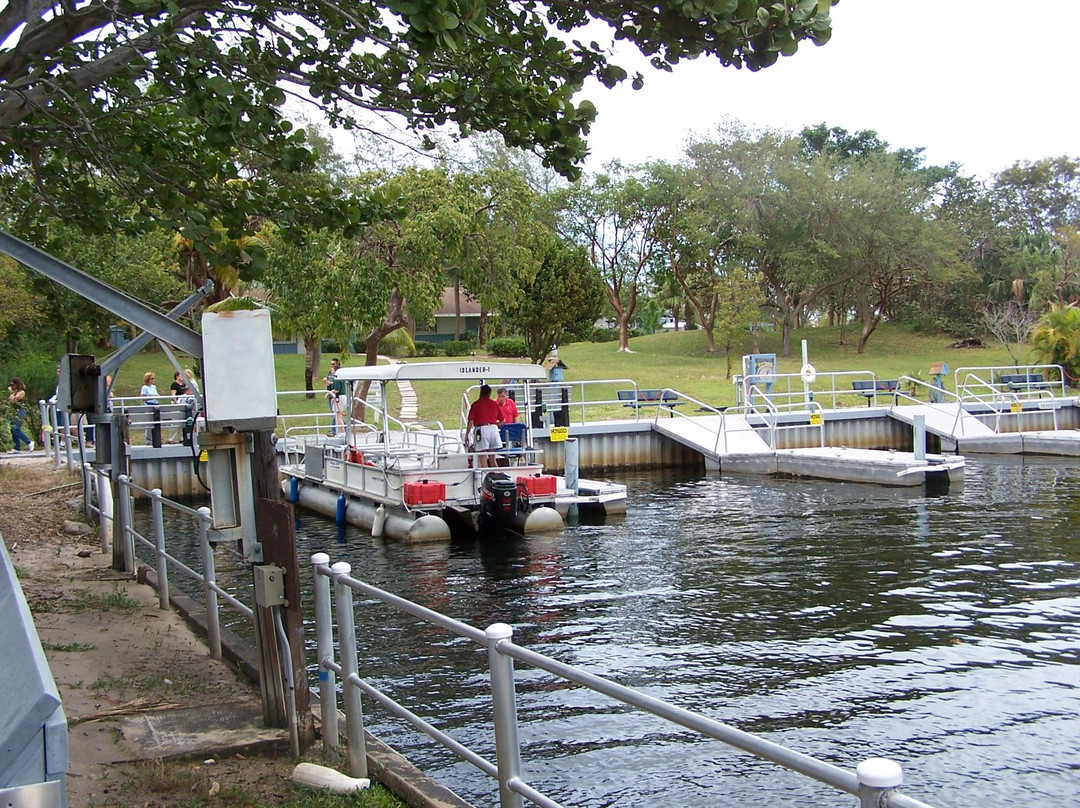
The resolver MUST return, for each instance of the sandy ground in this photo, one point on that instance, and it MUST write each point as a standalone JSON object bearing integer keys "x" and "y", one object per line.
{"x": 113, "y": 653}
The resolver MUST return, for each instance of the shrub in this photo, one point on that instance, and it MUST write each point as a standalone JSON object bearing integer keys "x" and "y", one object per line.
{"x": 507, "y": 346}
{"x": 604, "y": 335}
{"x": 428, "y": 349}
{"x": 458, "y": 347}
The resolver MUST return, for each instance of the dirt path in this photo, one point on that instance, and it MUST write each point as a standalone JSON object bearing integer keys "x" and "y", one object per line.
{"x": 114, "y": 654}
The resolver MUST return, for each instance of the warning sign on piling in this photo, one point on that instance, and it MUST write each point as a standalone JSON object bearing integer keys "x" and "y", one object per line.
{"x": 558, "y": 433}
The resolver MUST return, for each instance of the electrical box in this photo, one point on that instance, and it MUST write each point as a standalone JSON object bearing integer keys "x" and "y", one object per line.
{"x": 76, "y": 386}
{"x": 269, "y": 585}
{"x": 238, "y": 370}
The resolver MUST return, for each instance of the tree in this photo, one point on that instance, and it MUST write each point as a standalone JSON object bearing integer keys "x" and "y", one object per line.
{"x": 316, "y": 291}
{"x": 889, "y": 239}
{"x": 505, "y": 241}
{"x": 1055, "y": 340}
{"x": 615, "y": 218}
{"x": 107, "y": 104}
{"x": 22, "y": 311}
{"x": 1011, "y": 323}
{"x": 561, "y": 303}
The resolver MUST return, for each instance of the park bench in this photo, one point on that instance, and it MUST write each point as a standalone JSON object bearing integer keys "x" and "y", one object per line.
{"x": 643, "y": 398}
{"x": 1024, "y": 382}
{"x": 870, "y": 389}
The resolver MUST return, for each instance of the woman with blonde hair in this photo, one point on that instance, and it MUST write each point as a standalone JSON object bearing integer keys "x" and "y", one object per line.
{"x": 149, "y": 395}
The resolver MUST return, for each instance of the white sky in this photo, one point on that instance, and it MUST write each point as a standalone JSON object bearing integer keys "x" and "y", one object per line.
{"x": 983, "y": 83}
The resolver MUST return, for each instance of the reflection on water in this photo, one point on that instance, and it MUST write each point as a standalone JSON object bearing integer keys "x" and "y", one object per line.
{"x": 846, "y": 621}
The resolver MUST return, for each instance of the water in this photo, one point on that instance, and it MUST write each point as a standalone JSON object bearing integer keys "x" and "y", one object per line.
{"x": 844, "y": 621}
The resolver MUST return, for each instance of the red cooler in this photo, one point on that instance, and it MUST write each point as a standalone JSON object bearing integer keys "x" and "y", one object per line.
{"x": 424, "y": 493}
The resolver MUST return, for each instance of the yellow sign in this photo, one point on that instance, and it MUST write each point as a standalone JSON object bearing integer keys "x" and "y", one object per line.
{"x": 1015, "y": 407}
{"x": 815, "y": 419}
{"x": 558, "y": 433}
{"x": 203, "y": 456}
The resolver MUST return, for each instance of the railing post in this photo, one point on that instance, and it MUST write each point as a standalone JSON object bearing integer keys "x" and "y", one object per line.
{"x": 43, "y": 418}
{"x": 324, "y": 649}
{"x": 54, "y": 421}
{"x": 213, "y": 620}
{"x": 159, "y": 546}
{"x": 87, "y": 488}
{"x": 123, "y": 493}
{"x": 877, "y": 777}
{"x": 106, "y": 509}
{"x": 504, "y": 708}
{"x": 354, "y": 713}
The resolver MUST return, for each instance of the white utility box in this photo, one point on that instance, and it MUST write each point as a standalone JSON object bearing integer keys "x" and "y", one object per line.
{"x": 238, "y": 370}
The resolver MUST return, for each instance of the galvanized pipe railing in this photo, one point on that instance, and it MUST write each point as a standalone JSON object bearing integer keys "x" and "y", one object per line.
{"x": 874, "y": 781}
{"x": 211, "y": 591}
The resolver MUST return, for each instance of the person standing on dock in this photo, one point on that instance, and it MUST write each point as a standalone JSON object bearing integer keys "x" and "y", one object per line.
{"x": 485, "y": 417}
{"x": 335, "y": 393}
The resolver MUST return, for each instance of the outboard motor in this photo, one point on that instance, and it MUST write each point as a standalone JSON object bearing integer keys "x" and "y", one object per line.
{"x": 498, "y": 499}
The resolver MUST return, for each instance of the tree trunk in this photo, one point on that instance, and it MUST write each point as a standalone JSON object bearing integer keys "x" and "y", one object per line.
{"x": 457, "y": 307}
{"x": 312, "y": 360}
{"x": 868, "y": 329}
{"x": 785, "y": 340}
{"x": 710, "y": 341}
{"x": 624, "y": 332}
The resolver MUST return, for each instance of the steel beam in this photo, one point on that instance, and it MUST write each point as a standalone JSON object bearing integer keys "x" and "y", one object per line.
{"x": 103, "y": 295}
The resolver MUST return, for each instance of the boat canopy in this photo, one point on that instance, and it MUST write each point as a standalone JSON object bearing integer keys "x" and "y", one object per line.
{"x": 435, "y": 371}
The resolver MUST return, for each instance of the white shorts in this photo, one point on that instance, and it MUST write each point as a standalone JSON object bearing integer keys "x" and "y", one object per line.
{"x": 487, "y": 438}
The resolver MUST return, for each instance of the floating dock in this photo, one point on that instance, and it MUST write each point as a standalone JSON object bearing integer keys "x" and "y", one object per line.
{"x": 730, "y": 442}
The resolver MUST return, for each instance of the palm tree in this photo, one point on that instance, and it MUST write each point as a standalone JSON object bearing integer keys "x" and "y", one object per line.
{"x": 1055, "y": 340}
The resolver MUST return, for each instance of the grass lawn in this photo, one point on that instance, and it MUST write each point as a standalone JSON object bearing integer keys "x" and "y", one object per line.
{"x": 675, "y": 359}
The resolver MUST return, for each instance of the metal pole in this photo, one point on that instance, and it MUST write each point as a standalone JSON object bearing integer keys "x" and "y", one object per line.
{"x": 806, "y": 384}
{"x": 918, "y": 435}
{"x": 43, "y": 417}
{"x": 324, "y": 648}
{"x": 87, "y": 479}
{"x": 213, "y": 619}
{"x": 877, "y": 777}
{"x": 54, "y": 421}
{"x": 106, "y": 509}
{"x": 570, "y": 463}
{"x": 504, "y": 704}
{"x": 127, "y": 542}
{"x": 354, "y": 712}
{"x": 159, "y": 546}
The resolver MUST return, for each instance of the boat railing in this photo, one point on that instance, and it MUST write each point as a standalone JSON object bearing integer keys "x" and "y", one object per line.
{"x": 873, "y": 781}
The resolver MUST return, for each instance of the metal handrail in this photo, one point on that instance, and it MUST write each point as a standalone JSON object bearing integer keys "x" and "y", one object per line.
{"x": 866, "y": 781}
{"x": 702, "y": 406}
{"x": 208, "y": 578}
{"x": 1011, "y": 370}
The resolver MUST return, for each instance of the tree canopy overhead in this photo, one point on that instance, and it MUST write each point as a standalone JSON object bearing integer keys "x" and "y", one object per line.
{"x": 110, "y": 100}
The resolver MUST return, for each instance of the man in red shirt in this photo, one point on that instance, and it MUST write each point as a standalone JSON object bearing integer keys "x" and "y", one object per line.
{"x": 485, "y": 418}
{"x": 507, "y": 406}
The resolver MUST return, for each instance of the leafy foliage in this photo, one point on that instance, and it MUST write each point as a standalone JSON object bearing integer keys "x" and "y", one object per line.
{"x": 560, "y": 304}
{"x": 507, "y": 347}
{"x": 1055, "y": 340}
{"x": 171, "y": 113}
